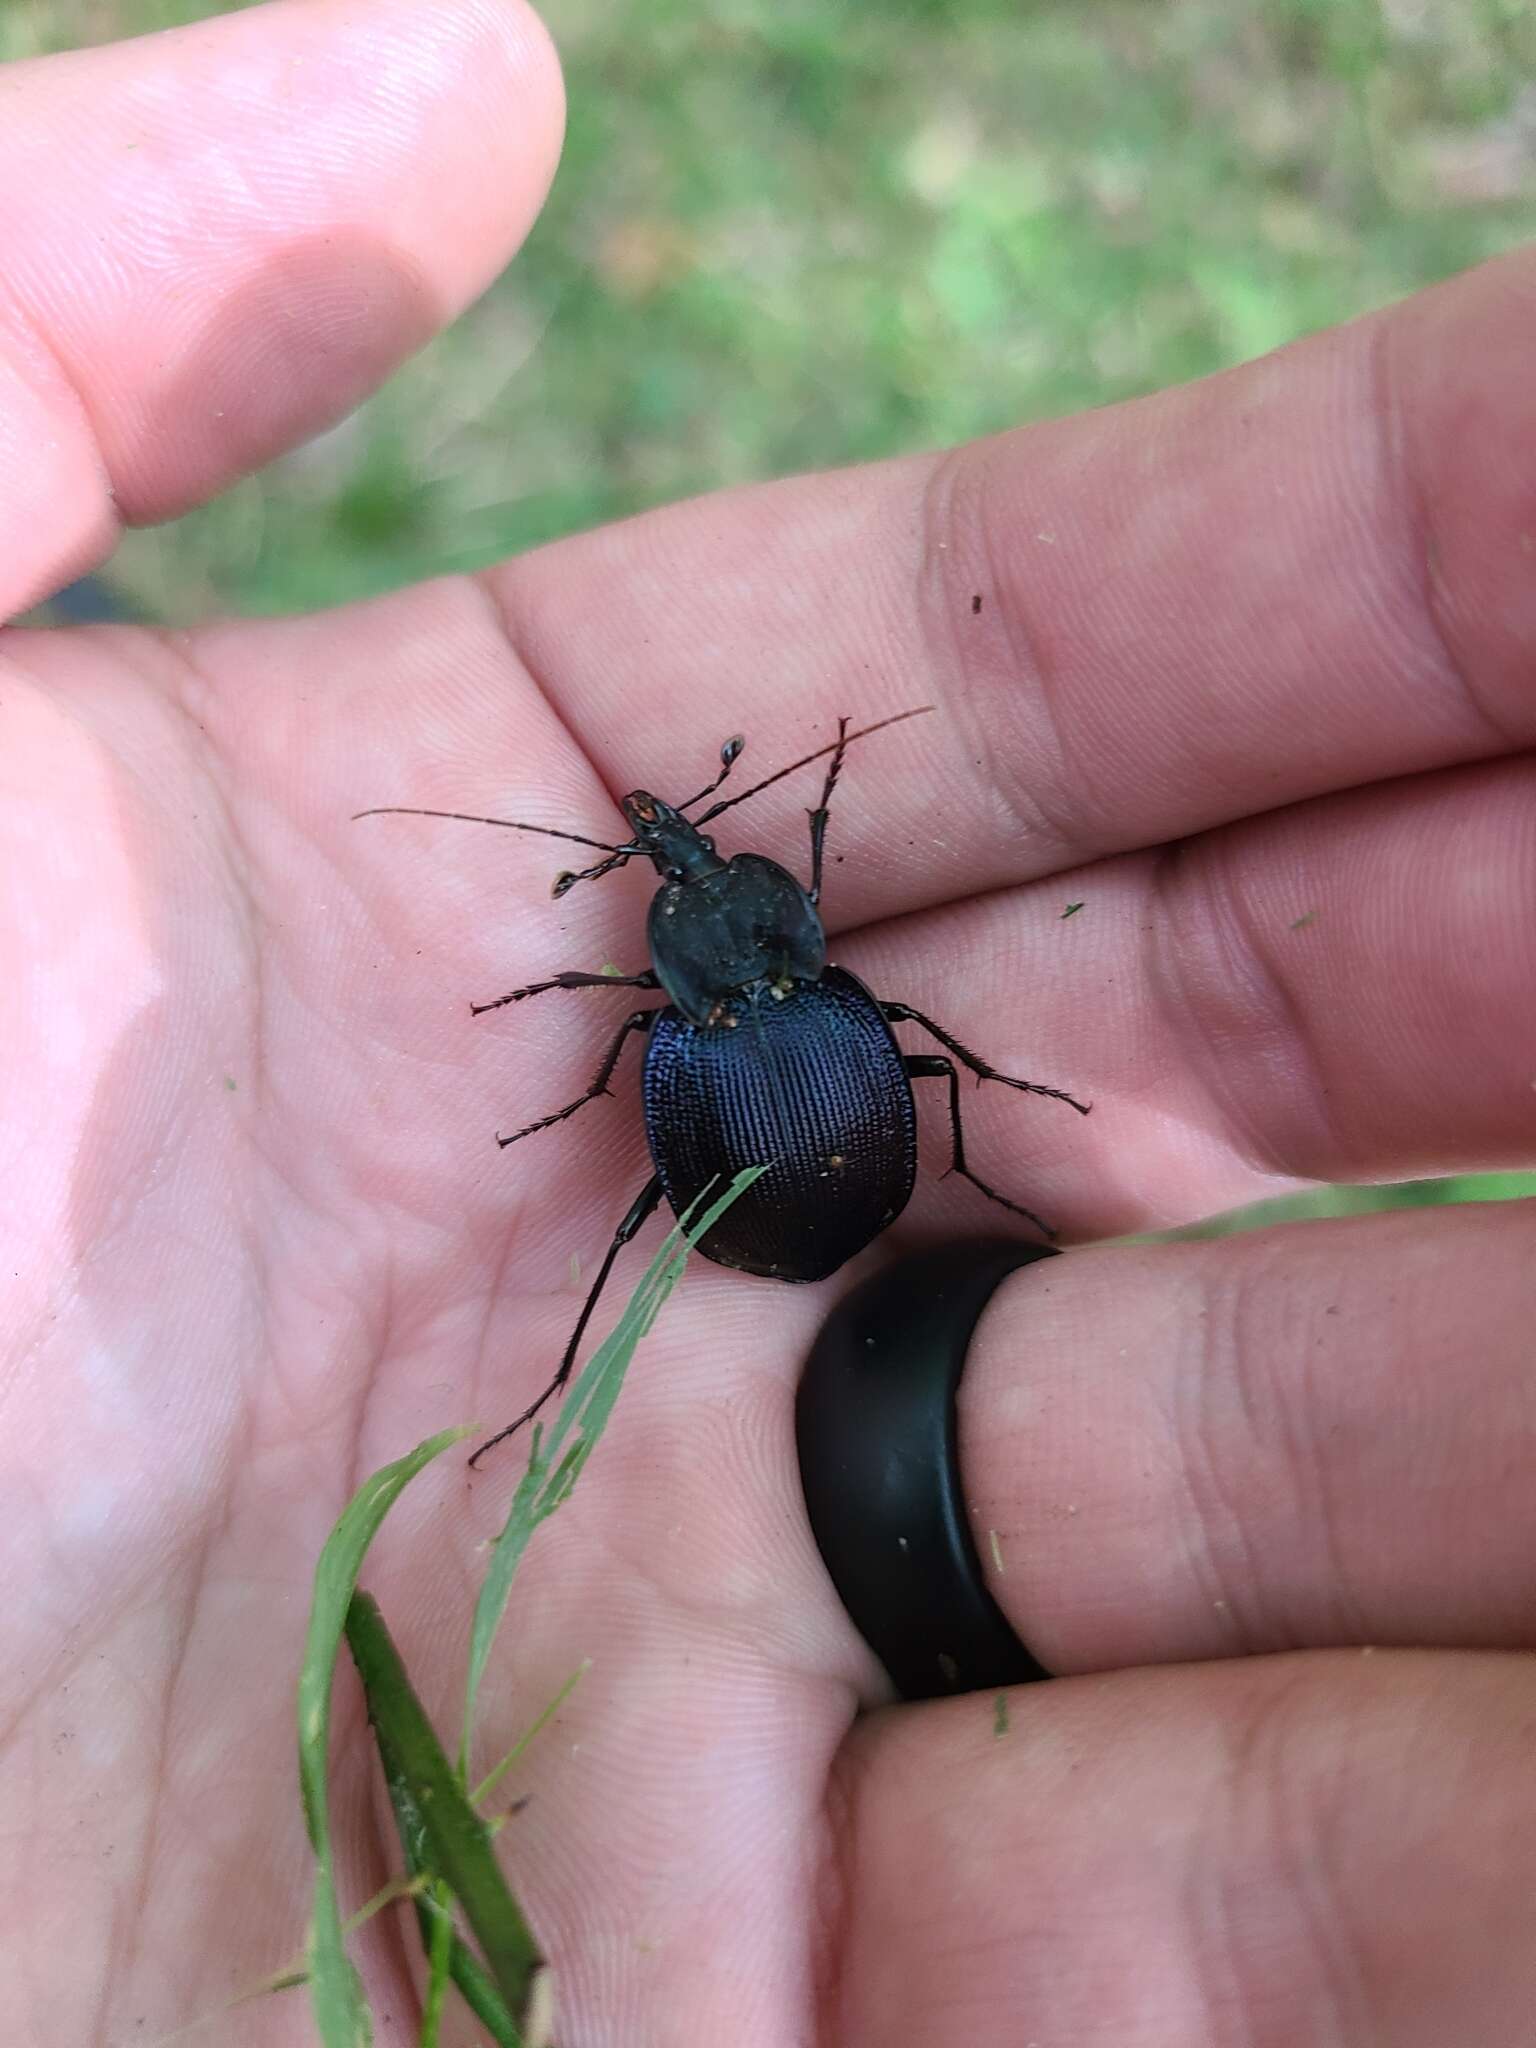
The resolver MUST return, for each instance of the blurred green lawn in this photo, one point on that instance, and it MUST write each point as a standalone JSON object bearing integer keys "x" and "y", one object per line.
{"x": 794, "y": 233}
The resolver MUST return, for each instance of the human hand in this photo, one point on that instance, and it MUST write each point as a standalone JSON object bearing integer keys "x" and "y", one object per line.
{"x": 1250, "y": 680}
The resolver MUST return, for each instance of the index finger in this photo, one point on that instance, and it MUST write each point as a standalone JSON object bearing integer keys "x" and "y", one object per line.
{"x": 1307, "y": 574}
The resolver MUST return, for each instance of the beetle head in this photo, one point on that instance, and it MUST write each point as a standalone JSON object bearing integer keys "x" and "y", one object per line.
{"x": 677, "y": 850}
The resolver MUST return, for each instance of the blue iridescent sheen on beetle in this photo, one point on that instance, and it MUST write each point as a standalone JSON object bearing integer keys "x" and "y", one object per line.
{"x": 763, "y": 1055}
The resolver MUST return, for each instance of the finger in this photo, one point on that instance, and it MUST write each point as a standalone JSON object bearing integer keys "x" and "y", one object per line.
{"x": 1305, "y": 1849}
{"x": 1303, "y": 575}
{"x": 219, "y": 239}
{"x": 1305, "y": 1437}
{"x": 1320, "y": 993}
{"x": 1341, "y": 991}
{"x": 1349, "y": 983}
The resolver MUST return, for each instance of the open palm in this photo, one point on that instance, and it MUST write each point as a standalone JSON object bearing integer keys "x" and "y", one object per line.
{"x": 1249, "y": 679}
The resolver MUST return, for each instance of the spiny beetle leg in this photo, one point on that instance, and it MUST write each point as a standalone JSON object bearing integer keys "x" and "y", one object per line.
{"x": 542, "y": 988}
{"x": 903, "y": 1013}
{"x": 637, "y": 1020}
{"x": 932, "y": 1066}
{"x": 819, "y": 815}
{"x": 642, "y": 1207}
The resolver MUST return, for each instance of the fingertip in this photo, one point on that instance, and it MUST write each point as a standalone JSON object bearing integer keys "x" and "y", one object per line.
{"x": 220, "y": 239}
{"x": 494, "y": 133}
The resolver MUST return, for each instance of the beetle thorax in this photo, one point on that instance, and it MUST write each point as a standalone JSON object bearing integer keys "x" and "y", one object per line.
{"x": 745, "y": 926}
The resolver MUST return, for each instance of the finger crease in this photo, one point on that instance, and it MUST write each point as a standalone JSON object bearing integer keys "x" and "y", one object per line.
{"x": 1404, "y": 488}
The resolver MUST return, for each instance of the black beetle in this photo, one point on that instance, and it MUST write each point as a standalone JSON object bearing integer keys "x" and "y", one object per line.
{"x": 763, "y": 1054}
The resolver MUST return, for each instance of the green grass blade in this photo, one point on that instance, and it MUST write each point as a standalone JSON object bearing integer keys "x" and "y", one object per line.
{"x": 456, "y": 1840}
{"x": 494, "y": 1776}
{"x": 551, "y": 1473}
{"x": 439, "y": 1967}
{"x": 336, "y": 1992}
{"x": 464, "y": 1966}
{"x": 292, "y": 1975}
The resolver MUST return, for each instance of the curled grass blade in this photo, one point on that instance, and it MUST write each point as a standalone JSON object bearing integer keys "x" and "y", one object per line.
{"x": 336, "y": 1993}
{"x": 456, "y": 1841}
{"x": 464, "y": 1966}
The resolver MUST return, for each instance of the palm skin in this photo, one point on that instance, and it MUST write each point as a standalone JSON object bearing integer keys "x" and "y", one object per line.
{"x": 262, "y": 1240}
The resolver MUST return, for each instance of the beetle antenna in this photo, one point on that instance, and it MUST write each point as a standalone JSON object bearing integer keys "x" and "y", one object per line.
{"x": 620, "y": 857}
{"x": 830, "y": 748}
{"x": 468, "y": 818}
{"x": 730, "y": 754}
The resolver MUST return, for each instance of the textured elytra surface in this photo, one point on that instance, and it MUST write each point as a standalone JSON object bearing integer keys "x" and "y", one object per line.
{"x": 810, "y": 1084}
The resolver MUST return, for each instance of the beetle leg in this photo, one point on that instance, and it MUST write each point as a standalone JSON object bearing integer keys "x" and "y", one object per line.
{"x": 932, "y": 1066}
{"x": 818, "y": 817}
{"x": 539, "y": 988}
{"x": 638, "y": 1020}
{"x": 903, "y": 1013}
{"x": 642, "y": 1207}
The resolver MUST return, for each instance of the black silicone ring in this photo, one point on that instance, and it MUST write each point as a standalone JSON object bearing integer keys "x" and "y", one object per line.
{"x": 880, "y": 1463}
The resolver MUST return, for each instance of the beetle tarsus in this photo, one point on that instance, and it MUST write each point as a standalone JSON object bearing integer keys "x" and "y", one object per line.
{"x": 903, "y": 1013}
{"x": 637, "y": 1020}
{"x": 573, "y": 980}
{"x": 639, "y": 1210}
{"x": 932, "y": 1066}
{"x": 818, "y": 817}
{"x": 512, "y": 1428}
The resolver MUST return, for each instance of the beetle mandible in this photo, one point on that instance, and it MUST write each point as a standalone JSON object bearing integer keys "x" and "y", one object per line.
{"x": 763, "y": 1054}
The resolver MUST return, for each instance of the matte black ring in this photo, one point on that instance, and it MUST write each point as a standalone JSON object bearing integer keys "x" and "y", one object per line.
{"x": 877, "y": 1433}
